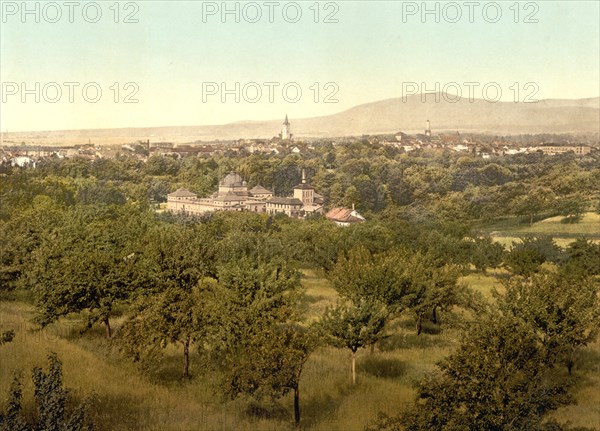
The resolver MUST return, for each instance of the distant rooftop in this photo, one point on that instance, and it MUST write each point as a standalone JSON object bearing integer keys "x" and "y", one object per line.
{"x": 344, "y": 215}
{"x": 259, "y": 190}
{"x": 285, "y": 201}
{"x": 182, "y": 193}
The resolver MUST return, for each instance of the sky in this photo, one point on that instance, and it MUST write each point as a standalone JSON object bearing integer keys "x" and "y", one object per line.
{"x": 109, "y": 64}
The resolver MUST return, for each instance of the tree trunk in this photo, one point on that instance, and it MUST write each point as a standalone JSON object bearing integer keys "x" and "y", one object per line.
{"x": 570, "y": 363}
{"x": 353, "y": 367}
{"x": 372, "y": 348}
{"x": 107, "y": 329}
{"x": 186, "y": 358}
{"x": 419, "y": 324}
{"x": 297, "y": 405}
{"x": 434, "y": 316}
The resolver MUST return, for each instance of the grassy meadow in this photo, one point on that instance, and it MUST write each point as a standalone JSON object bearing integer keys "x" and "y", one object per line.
{"x": 508, "y": 231}
{"x": 130, "y": 400}
{"x": 127, "y": 399}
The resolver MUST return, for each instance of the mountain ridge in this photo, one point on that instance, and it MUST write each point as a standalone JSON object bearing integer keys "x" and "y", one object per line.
{"x": 409, "y": 115}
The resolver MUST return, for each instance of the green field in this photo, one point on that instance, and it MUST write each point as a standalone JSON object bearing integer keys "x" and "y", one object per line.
{"x": 128, "y": 400}
{"x": 508, "y": 231}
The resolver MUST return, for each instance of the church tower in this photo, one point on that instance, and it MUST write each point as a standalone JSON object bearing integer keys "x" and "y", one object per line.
{"x": 285, "y": 129}
{"x": 304, "y": 191}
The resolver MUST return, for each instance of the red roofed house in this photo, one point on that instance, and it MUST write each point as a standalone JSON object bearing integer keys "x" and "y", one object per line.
{"x": 344, "y": 216}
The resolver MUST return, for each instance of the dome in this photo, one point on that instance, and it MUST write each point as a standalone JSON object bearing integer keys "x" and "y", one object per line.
{"x": 232, "y": 179}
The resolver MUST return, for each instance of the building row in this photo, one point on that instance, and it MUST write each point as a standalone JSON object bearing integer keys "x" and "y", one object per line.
{"x": 234, "y": 195}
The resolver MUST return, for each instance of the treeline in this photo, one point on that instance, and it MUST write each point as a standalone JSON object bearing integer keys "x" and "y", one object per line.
{"x": 419, "y": 185}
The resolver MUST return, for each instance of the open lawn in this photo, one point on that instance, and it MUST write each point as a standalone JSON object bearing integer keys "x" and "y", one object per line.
{"x": 129, "y": 400}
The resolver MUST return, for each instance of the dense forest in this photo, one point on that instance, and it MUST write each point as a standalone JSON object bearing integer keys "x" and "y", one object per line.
{"x": 244, "y": 307}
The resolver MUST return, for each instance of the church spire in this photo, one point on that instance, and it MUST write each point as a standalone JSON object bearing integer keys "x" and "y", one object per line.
{"x": 285, "y": 129}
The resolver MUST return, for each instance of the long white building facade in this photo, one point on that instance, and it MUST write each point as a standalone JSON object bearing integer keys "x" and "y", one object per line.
{"x": 233, "y": 195}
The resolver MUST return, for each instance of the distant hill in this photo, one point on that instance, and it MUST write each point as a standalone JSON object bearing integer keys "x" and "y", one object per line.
{"x": 580, "y": 116}
{"x": 547, "y": 116}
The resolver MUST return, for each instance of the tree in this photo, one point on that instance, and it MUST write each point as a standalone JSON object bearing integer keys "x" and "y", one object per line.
{"x": 271, "y": 363}
{"x": 173, "y": 316}
{"x": 100, "y": 193}
{"x": 400, "y": 280}
{"x": 12, "y": 420}
{"x": 20, "y": 236}
{"x": 582, "y": 257}
{"x": 571, "y": 208}
{"x": 354, "y": 326}
{"x": 175, "y": 306}
{"x": 260, "y": 343}
{"x": 496, "y": 380}
{"x": 503, "y": 376}
{"x": 563, "y": 308}
{"x": 532, "y": 203}
{"x": 526, "y": 257}
{"x": 381, "y": 278}
{"x": 486, "y": 253}
{"x": 431, "y": 288}
{"x": 89, "y": 265}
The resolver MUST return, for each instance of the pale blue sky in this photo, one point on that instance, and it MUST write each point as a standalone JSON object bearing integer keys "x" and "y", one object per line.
{"x": 369, "y": 54}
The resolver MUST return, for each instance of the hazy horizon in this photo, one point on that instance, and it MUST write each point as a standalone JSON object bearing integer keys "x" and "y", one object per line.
{"x": 177, "y": 60}
{"x": 251, "y": 120}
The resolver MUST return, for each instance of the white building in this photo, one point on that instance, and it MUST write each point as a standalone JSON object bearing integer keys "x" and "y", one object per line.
{"x": 286, "y": 131}
{"x": 233, "y": 195}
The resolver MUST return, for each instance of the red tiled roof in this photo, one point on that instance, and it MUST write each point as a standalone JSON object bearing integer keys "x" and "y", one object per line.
{"x": 342, "y": 215}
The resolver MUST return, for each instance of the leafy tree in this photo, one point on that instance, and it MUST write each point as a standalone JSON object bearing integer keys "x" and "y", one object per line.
{"x": 89, "y": 266}
{"x": 22, "y": 235}
{"x": 12, "y": 420}
{"x": 526, "y": 257}
{"x": 173, "y": 316}
{"x": 256, "y": 293}
{"x": 571, "y": 208}
{"x": 354, "y": 326}
{"x": 532, "y": 203}
{"x": 270, "y": 363}
{"x": 362, "y": 275}
{"x": 496, "y": 380}
{"x": 486, "y": 253}
{"x": 100, "y": 193}
{"x": 259, "y": 343}
{"x": 431, "y": 288}
{"x": 175, "y": 304}
{"x": 564, "y": 309}
{"x": 352, "y": 197}
{"x": 582, "y": 257}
